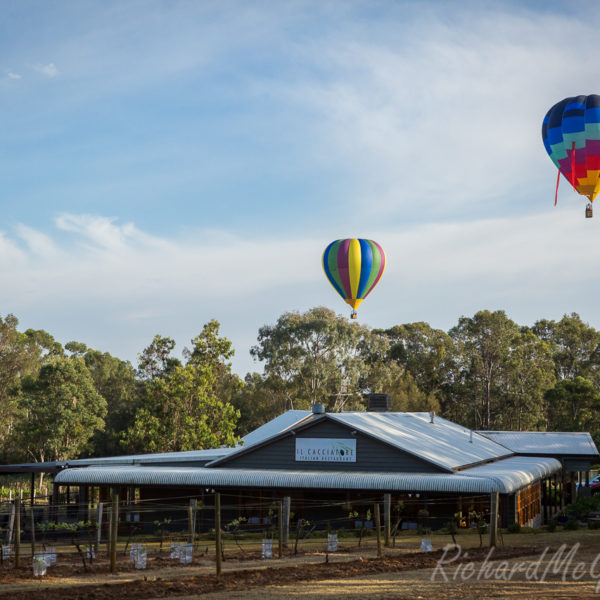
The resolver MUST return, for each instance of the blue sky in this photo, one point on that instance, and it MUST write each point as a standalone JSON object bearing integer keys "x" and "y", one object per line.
{"x": 165, "y": 163}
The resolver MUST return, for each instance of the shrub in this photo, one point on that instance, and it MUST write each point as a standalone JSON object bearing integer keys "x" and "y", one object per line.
{"x": 551, "y": 526}
{"x": 514, "y": 528}
{"x": 593, "y": 524}
{"x": 572, "y": 525}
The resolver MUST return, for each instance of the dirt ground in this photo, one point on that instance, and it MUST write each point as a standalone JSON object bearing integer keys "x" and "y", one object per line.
{"x": 402, "y": 573}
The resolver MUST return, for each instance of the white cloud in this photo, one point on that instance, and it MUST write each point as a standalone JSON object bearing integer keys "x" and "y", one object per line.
{"x": 12, "y": 75}
{"x": 440, "y": 114}
{"x": 48, "y": 70}
{"x": 114, "y": 286}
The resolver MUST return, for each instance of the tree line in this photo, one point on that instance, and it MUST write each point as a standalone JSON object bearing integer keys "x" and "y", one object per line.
{"x": 487, "y": 372}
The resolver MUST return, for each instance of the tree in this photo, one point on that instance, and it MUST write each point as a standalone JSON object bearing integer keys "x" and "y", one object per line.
{"x": 484, "y": 343}
{"x": 156, "y": 360}
{"x": 528, "y": 374}
{"x": 318, "y": 356}
{"x": 21, "y": 354}
{"x": 426, "y": 353}
{"x": 574, "y": 345}
{"x": 115, "y": 381}
{"x": 61, "y": 409}
{"x": 574, "y": 405}
{"x": 181, "y": 409}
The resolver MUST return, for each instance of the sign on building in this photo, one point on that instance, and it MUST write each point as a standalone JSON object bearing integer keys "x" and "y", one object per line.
{"x": 325, "y": 450}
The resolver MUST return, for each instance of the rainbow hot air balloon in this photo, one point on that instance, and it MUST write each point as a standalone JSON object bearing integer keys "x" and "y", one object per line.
{"x": 571, "y": 134}
{"x": 354, "y": 267}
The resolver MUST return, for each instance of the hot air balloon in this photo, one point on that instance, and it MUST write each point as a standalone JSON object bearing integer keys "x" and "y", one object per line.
{"x": 571, "y": 134}
{"x": 354, "y": 267}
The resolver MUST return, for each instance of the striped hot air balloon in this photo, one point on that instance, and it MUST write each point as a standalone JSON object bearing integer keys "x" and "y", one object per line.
{"x": 571, "y": 134}
{"x": 354, "y": 267}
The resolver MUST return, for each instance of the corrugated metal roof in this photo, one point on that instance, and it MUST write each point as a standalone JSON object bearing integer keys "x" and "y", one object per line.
{"x": 516, "y": 472}
{"x": 336, "y": 480}
{"x": 273, "y": 427}
{"x": 441, "y": 443}
{"x": 545, "y": 442}
{"x": 504, "y": 476}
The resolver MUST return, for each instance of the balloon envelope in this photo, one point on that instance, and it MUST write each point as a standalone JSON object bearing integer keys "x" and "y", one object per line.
{"x": 354, "y": 267}
{"x": 571, "y": 134}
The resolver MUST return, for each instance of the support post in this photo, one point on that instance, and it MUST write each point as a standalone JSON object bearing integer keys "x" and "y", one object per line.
{"x": 99, "y": 525}
{"x": 11, "y": 524}
{"x": 17, "y": 532}
{"x": 387, "y": 518}
{"x": 287, "y": 501}
{"x": 218, "y": 531}
{"x": 493, "y": 519}
{"x": 32, "y": 489}
{"x": 192, "y": 520}
{"x": 32, "y": 532}
{"x": 281, "y": 529}
{"x": 378, "y": 530}
{"x": 113, "y": 532}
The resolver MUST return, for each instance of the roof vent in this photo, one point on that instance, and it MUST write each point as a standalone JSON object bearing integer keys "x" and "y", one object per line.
{"x": 432, "y": 416}
{"x": 379, "y": 402}
{"x": 318, "y": 409}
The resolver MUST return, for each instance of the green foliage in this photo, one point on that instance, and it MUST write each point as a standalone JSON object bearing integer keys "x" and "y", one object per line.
{"x": 571, "y": 525}
{"x": 514, "y": 528}
{"x": 593, "y": 524}
{"x": 552, "y": 525}
{"x": 62, "y": 409}
{"x": 574, "y": 405}
{"x": 583, "y": 506}
{"x": 182, "y": 410}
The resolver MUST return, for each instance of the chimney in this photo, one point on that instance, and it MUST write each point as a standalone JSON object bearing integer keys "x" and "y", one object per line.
{"x": 379, "y": 402}
{"x": 432, "y": 416}
{"x": 318, "y": 409}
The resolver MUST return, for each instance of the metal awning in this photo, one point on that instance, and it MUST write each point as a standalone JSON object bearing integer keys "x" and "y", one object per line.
{"x": 504, "y": 478}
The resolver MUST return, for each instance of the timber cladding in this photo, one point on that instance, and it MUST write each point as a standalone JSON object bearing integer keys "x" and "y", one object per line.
{"x": 528, "y": 503}
{"x": 371, "y": 455}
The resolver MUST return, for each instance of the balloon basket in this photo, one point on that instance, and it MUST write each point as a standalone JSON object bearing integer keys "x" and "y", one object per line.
{"x": 354, "y": 315}
{"x": 589, "y": 211}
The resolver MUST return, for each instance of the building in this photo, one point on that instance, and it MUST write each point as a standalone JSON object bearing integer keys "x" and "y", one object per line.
{"x": 340, "y": 460}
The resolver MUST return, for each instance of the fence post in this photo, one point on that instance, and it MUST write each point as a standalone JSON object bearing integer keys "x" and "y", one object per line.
{"x": 99, "y": 526}
{"x": 387, "y": 517}
{"x": 11, "y": 523}
{"x": 191, "y": 520}
{"x": 281, "y": 529}
{"x": 17, "y": 532}
{"x": 493, "y": 518}
{"x": 286, "y": 520}
{"x": 32, "y": 532}
{"x": 113, "y": 532}
{"x": 378, "y": 528}
{"x": 218, "y": 531}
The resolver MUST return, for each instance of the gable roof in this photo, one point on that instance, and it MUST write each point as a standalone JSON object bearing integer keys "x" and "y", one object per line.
{"x": 542, "y": 443}
{"x": 442, "y": 443}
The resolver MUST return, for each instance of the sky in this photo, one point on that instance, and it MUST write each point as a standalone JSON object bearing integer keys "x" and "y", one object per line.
{"x": 164, "y": 163}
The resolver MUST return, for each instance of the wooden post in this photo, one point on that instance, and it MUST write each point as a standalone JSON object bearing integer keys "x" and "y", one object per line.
{"x": 287, "y": 501}
{"x": 11, "y": 524}
{"x": 32, "y": 489}
{"x": 378, "y": 530}
{"x": 493, "y": 519}
{"x": 218, "y": 531}
{"x": 32, "y": 532}
{"x": 387, "y": 518}
{"x": 114, "y": 532}
{"x": 17, "y": 532}
{"x": 281, "y": 529}
{"x": 192, "y": 520}
{"x": 99, "y": 526}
